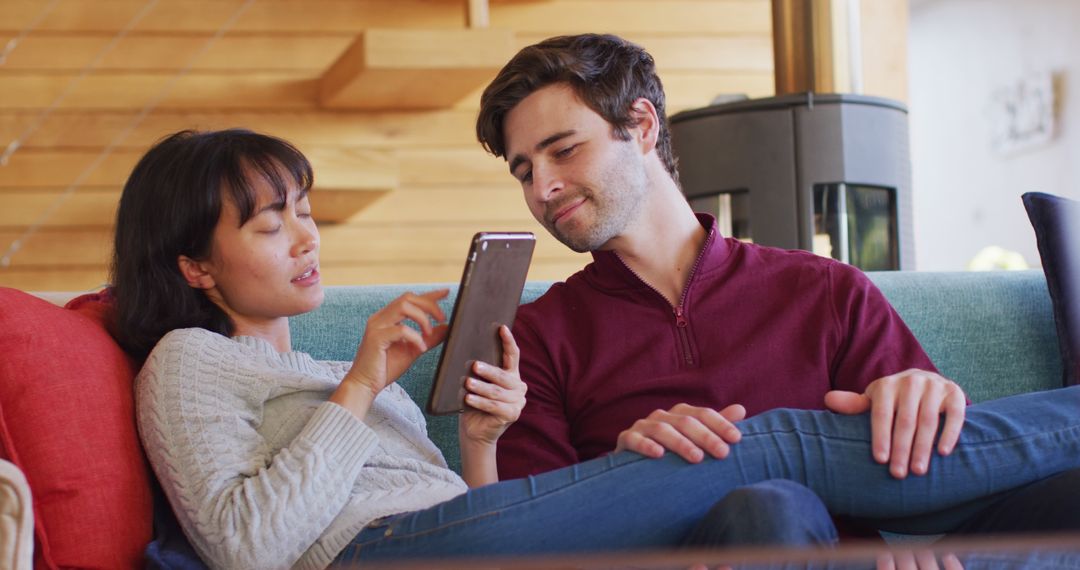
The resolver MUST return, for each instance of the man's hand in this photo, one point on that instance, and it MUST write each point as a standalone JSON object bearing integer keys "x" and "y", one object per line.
{"x": 687, "y": 430}
{"x": 922, "y": 559}
{"x": 905, "y": 411}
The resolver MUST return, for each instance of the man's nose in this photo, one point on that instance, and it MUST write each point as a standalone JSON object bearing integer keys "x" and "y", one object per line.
{"x": 547, "y": 181}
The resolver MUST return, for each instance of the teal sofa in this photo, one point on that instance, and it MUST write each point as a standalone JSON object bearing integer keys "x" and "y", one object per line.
{"x": 992, "y": 332}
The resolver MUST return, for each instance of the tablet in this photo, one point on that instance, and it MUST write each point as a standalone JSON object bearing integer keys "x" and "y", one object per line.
{"x": 488, "y": 297}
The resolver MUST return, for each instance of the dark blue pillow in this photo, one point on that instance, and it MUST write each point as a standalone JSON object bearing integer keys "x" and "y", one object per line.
{"x": 1057, "y": 229}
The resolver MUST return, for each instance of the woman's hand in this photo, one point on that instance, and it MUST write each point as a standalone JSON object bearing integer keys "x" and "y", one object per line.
{"x": 494, "y": 400}
{"x": 390, "y": 346}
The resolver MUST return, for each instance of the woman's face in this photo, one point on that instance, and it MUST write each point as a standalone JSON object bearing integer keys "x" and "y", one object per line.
{"x": 268, "y": 268}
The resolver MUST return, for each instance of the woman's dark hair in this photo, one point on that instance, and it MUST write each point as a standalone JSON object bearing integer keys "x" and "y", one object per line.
{"x": 606, "y": 72}
{"x": 169, "y": 207}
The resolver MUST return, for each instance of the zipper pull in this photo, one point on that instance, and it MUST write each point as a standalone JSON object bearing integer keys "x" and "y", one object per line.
{"x": 680, "y": 318}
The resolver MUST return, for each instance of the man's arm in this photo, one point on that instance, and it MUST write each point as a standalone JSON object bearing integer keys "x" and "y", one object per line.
{"x": 539, "y": 440}
{"x": 905, "y": 407}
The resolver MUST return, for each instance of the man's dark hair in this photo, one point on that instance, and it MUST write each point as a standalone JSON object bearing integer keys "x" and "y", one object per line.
{"x": 606, "y": 72}
{"x": 169, "y": 207}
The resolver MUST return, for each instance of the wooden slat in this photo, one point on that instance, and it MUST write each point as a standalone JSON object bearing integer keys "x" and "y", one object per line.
{"x": 335, "y": 167}
{"x": 413, "y": 69}
{"x": 208, "y": 15}
{"x": 288, "y": 91}
{"x": 332, "y": 16}
{"x": 72, "y": 129}
{"x": 122, "y": 91}
{"x": 55, "y": 279}
{"x": 688, "y": 90}
{"x": 96, "y": 207}
{"x": 448, "y": 166}
{"x": 85, "y": 207}
{"x": 309, "y": 52}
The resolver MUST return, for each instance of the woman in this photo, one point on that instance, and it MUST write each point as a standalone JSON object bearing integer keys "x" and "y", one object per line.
{"x": 272, "y": 459}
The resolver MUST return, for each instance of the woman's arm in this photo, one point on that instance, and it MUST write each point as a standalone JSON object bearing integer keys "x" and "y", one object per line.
{"x": 495, "y": 400}
{"x": 244, "y": 504}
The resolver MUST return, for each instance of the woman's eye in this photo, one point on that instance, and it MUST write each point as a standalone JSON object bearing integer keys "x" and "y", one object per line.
{"x": 271, "y": 231}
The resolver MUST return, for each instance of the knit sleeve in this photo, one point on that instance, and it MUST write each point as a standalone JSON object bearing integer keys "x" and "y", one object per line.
{"x": 240, "y": 504}
{"x": 539, "y": 440}
{"x": 875, "y": 341}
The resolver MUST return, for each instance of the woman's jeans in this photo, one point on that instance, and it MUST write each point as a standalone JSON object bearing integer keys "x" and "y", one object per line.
{"x": 625, "y": 501}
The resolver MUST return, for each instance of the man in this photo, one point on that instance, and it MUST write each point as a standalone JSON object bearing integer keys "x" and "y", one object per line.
{"x": 674, "y": 333}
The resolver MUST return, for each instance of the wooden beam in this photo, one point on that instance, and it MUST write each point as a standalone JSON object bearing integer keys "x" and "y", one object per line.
{"x": 547, "y": 17}
{"x": 413, "y": 69}
{"x": 338, "y": 205}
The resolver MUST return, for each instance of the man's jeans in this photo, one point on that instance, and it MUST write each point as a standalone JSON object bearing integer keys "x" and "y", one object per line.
{"x": 625, "y": 501}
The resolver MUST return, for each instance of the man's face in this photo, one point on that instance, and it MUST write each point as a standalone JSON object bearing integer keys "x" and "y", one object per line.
{"x": 580, "y": 182}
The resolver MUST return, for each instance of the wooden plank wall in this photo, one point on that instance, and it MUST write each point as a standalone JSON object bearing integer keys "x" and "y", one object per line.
{"x": 263, "y": 75}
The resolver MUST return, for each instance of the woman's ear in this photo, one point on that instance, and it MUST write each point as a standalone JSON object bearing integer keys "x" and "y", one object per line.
{"x": 195, "y": 273}
{"x": 646, "y": 123}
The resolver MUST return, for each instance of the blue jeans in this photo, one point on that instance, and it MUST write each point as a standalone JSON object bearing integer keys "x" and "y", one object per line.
{"x": 625, "y": 501}
{"x": 773, "y": 512}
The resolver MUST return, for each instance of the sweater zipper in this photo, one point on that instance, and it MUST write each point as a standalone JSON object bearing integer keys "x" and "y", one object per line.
{"x": 681, "y": 322}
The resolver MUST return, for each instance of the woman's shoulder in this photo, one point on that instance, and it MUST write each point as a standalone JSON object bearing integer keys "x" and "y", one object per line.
{"x": 185, "y": 352}
{"x": 179, "y": 340}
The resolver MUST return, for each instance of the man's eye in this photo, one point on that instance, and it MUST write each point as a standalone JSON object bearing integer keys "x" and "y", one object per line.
{"x": 526, "y": 177}
{"x": 563, "y": 153}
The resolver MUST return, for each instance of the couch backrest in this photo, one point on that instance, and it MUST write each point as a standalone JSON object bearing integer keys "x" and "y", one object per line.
{"x": 991, "y": 332}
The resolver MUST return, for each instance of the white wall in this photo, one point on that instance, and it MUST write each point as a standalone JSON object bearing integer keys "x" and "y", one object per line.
{"x": 966, "y": 196}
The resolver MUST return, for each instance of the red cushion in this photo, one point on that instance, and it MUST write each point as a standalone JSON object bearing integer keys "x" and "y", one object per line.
{"x": 67, "y": 419}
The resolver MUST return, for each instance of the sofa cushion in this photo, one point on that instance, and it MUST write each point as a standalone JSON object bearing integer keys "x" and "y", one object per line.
{"x": 67, "y": 420}
{"x": 1056, "y": 222}
{"x": 333, "y": 332}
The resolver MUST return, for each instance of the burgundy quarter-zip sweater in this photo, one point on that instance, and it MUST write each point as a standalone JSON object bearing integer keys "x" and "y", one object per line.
{"x": 757, "y": 326}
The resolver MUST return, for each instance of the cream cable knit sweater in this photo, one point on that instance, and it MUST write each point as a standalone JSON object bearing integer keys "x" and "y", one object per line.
{"x": 261, "y": 470}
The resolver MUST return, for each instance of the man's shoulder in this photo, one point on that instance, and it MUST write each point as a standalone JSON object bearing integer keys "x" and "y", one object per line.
{"x": 562, "y": 298}
{"x": 756, "y": 257}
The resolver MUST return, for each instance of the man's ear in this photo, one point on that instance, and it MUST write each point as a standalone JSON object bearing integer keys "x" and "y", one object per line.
{"x": 646, "y": 129}
{"x": 195, "y": 273}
